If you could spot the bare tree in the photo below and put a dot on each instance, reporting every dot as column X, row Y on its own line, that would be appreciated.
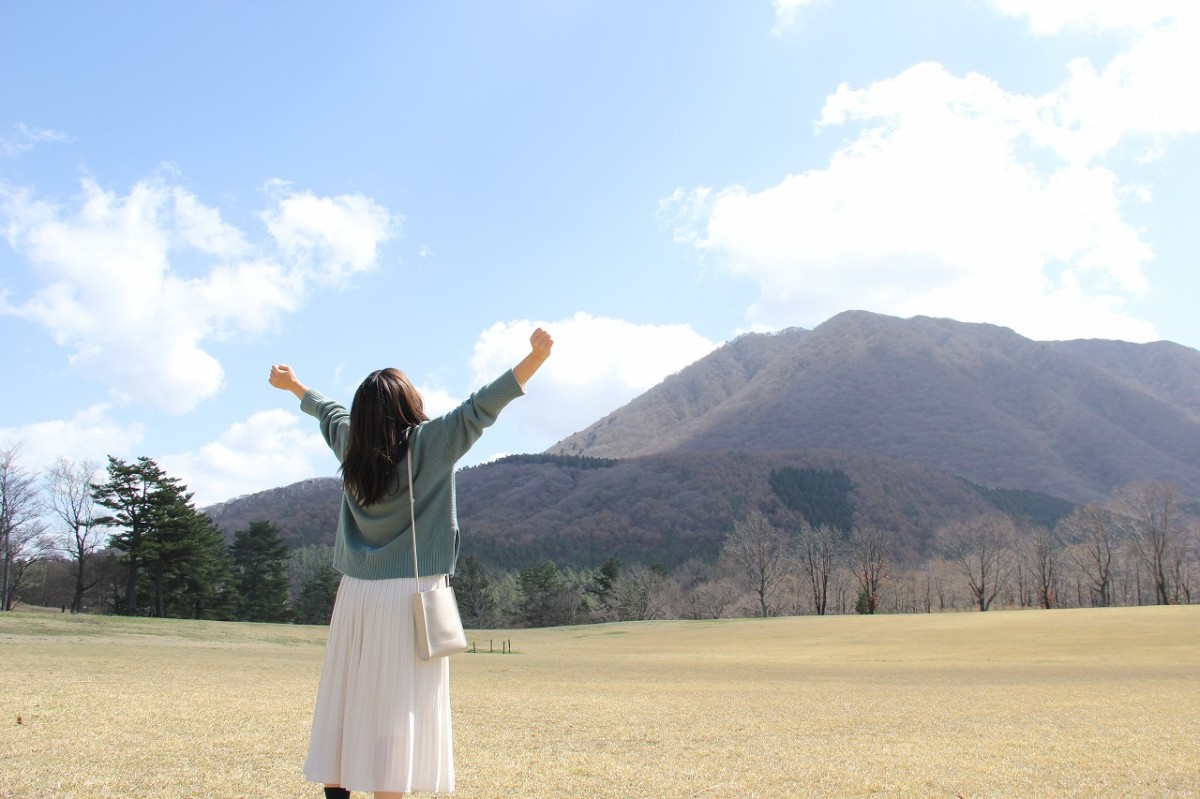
column 69, row 488
column 21, row 531
column 761, row 551
column 712, row 599
column 981, row 550
column 704, row 591
column 1185, row 560
column 818, row 551
column 1042, row 552
column 940, row 585
column 871, row 563
column 929, row 586
column 642, row 593
column 1149, row 513
column 1095, row 539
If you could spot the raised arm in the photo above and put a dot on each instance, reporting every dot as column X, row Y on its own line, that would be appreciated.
column 540, row 344
column 284, row 379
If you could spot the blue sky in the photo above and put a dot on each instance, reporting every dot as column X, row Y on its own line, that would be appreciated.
column 192, row 192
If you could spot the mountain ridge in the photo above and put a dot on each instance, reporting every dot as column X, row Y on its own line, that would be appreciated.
column 1074, row 418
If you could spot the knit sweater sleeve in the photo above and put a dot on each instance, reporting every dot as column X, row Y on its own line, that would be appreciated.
column 333, row 418
column 463, row 426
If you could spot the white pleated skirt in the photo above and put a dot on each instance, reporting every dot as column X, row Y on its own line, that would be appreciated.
column 382, row 720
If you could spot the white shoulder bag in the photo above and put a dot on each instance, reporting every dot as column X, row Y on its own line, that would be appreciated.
column 439, row 626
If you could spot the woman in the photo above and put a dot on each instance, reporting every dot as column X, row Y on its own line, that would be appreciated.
column 382, row 720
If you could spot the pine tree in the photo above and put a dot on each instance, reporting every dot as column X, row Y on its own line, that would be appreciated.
column 260, row 559
column 606, row 579
column 205, row 585
column 473, row 588
column 171, row 547
column 547, row 599
column 172, row 553
column 314, row 605
column 136, row 494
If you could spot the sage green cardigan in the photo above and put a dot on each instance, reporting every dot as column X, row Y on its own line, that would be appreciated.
column 375, row 542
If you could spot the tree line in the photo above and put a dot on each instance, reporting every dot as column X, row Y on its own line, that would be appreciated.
column 1140, row 547
column 128, row 539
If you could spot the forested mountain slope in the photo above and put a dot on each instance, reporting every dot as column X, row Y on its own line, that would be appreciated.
column 1072, row 418
column 662, row 508
column 305, row 512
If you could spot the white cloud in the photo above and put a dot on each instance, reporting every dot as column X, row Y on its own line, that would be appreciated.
column 597, row 365
column 136, row 285
column 331, row 237
column 954, row 197
column 91, row 434
column 438, row 401
column 270, row 449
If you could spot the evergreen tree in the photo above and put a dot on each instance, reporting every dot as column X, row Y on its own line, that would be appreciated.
column 606, row 579
column 260, row 560
column 174, row 556
column 137, row 495
column 171, row 547
column 302, row 562
column 314, row 604
column 821, row 496
column 205, row 583
column 547, row 599
column 473, row 589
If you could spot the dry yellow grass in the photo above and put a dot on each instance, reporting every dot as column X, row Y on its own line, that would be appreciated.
column 1077, row 703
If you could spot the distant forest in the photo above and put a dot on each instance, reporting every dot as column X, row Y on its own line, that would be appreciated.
column 578, row 511
column 565, row 540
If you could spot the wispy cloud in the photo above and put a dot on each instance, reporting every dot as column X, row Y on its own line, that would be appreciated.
column 1048, row 19
column 787, row 15
column 24, row 138
column 135, row 286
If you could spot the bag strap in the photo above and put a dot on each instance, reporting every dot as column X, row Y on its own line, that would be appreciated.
column 412, row 509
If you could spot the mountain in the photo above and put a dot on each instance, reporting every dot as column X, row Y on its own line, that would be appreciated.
column 1069, row 418
column 866, row 419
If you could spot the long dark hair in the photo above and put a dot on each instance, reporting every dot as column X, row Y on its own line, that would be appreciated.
column 386, row 408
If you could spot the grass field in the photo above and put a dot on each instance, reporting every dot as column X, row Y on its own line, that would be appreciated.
column 1071, row 703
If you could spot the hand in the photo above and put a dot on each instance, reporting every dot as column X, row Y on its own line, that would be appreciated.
column 283, row 378
column 541, row 342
